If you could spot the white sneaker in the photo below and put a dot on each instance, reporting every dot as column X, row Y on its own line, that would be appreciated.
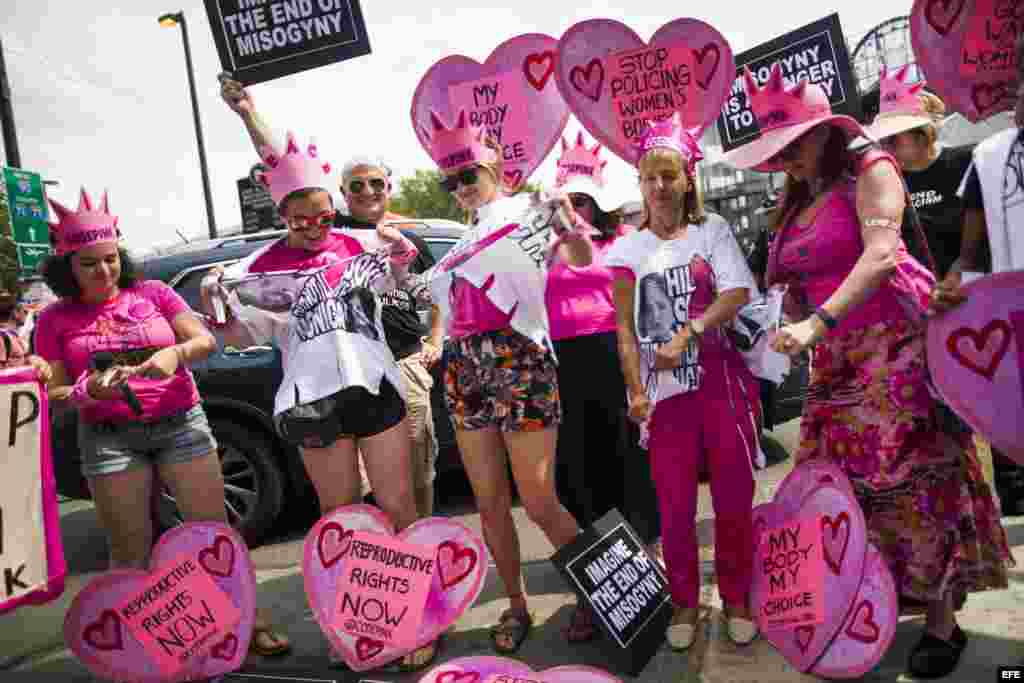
column 681, row 636
column 741, row 631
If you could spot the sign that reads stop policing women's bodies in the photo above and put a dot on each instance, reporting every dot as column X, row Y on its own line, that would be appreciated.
column 816, row 53
column 260, row 40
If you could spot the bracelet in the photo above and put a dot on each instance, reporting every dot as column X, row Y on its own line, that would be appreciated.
column 80, row 391
column 830, row 322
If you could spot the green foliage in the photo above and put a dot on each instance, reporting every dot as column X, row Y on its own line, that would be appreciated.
column 421, row 196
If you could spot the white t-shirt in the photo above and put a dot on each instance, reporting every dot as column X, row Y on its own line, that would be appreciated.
column 674, row 281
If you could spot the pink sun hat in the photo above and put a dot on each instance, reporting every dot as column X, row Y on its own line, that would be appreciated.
column 83, row 228
column 294, row 170
column 783, row 115
column 459, row 146
column 903, row 106
column 581, row 171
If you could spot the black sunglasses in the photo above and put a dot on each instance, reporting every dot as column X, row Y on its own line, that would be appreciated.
column 579, row 200
column 467, row 176
column 376, row 184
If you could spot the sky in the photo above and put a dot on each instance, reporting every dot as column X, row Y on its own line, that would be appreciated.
column 101, row 98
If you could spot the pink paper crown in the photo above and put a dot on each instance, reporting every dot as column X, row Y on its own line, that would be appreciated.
column 776, row 106
column 461, row 145
column 896, row 96
column 580, row 161
column 669, row 133
column 85, row 227
column 295, row 170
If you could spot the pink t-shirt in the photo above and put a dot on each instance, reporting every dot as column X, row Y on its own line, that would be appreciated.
column 137, row 319
column 280, row 256
column 579, row 300
column 472, row 312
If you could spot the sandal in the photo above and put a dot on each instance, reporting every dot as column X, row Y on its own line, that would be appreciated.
column 514, row 625
column 581, row 626
column 266, row 642
column 933, row 657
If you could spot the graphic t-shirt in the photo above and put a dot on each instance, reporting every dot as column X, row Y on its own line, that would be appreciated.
column 133, row 325
column 676, row 281
column 933, row 193
column 400, row 310
column 328, row 321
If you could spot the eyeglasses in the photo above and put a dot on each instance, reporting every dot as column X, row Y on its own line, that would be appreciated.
column 357, row 185
column 467, row 176
column 579, row 200
column 322, row 220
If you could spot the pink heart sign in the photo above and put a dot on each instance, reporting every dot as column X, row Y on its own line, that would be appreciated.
column 976, row 360
column 512, row 94
column 966, row 50
column 860, row 605
column 615, row 82
column 190, row 617
column 460, row 563
column 501, row 670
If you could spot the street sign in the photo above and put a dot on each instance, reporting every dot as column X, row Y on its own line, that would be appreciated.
column 258, row 209
column 24, row 205
column 31, row 256
column 259, row 41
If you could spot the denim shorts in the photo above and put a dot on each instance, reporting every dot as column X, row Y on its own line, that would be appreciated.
column 109, row 448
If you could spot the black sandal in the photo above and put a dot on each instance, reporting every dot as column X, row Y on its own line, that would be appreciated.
column 935, row 658
column 513, row 624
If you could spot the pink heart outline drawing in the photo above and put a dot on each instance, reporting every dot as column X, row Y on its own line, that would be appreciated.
column 980, row 339
column 942, row 19
column 367, row 648
column 581, row 80
column 709, row 72
column 449, row 554
column 226, row 648
column 514, row 177
column 532, row 60
column 864, row 618
column 105, row 632
column 218, row 559
column 834, row 556
column 443, row 606
column 457, row 677
column 802, row 636
column 988, row 97
column 333, row 544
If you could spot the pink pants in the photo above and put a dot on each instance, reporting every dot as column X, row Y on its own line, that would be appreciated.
column 710, row 430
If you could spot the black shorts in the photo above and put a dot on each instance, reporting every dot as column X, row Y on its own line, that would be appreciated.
column 352, row 413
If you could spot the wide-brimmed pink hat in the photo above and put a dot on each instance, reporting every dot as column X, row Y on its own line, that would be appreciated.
column 901, row 106
column 783, row 115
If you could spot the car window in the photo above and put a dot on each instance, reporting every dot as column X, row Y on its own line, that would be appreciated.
column 439, row 246
column 188, row 287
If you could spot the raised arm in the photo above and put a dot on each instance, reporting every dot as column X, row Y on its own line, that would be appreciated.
column 241, row 102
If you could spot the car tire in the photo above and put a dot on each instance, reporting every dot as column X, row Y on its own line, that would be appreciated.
column 253, row 482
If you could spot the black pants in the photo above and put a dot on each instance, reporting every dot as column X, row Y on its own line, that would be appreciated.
column 599, row 465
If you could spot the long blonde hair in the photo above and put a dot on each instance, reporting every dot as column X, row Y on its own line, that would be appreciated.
column 693, row 201
column 497, row 169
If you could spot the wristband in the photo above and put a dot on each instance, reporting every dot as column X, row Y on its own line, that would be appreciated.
column 80, row 391
column 830, row 322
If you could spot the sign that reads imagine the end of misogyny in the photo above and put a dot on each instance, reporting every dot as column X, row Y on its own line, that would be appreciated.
column 260, row 40
column 816, row 52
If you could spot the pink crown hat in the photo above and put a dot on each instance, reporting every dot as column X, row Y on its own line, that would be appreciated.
column 294, row 170
column 83, row 228
column 459, row 146
column 783, row 115
column 669, row 134
column 900, row 107
column 581, row 171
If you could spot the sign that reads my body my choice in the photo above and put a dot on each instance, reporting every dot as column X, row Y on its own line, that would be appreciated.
column 260, row 40
column 816, row 52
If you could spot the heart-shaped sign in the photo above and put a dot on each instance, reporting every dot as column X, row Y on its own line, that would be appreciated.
column 174, row 608
column 490, row 669
column 976, row 360
column 512, row 94
column 951, row 39
column 461, row 563
column 611, row 78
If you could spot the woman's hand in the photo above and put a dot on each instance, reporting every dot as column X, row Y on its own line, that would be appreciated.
column 161, row 365
column 43, row 370
column 106, row 386
column 947, row 294
column 430, row 355
column 639, row 407
column 209, row 289
column 669, row 355
column 794, row 339
column 235, row 95
column 389, row 234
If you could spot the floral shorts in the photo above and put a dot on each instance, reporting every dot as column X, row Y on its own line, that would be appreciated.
column 501, row 379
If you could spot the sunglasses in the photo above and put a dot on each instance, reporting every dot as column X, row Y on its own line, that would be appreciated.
column 322, row 220
column 357, row 185
column 579, row 200
column 467, row 176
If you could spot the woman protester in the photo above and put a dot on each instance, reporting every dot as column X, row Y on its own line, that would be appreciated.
column 342, row 388
column 501, row 385
column 868, row 409
column 141, row 418
column 679, row 282
column 599, row 465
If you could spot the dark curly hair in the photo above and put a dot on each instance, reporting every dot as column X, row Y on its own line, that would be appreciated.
column 60, row 278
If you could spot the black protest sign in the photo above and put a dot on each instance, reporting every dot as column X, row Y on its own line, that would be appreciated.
column 258, row 209
column 611, row 571
column 260, row 40
column 816, row 52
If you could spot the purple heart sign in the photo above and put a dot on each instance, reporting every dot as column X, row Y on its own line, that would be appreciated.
column 512, row 95
column 615, row 82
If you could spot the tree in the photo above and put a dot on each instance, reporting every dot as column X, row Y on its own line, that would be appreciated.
column 422, row 196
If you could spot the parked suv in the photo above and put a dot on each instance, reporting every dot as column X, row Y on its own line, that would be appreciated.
column 264, row 480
